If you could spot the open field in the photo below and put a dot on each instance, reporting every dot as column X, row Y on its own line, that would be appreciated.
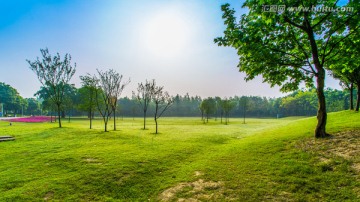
column 265, row 159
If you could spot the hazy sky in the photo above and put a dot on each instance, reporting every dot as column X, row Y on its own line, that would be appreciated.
column 170, row 41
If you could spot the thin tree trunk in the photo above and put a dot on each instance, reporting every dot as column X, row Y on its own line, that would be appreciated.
column 114, row 119
column 144, row 119
column 352, row 96
column 106, row 120
column 358, row 97
column 155, row 117
column 156, row 123
column 59, row 114
column 90, row 119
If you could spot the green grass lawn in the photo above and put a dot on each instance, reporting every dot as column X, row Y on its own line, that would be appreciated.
column 264, row 159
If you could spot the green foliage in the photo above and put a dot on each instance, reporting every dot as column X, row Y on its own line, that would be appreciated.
column 87, row 95
column 304, row 102
column 289, row 47
column 345, row 66
column 68, row 100
column 34, row 107
column 54, row 74
column 227, row 105
column 208, row 106
column 11, row 99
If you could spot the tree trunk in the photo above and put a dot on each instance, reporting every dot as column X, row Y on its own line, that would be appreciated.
column 155, row 117
column 144, row 119
column 156, row 123
column 358, row 97
column 114, row 120
column 352, row 96
column 90, row 118
column 320, row 131
column 59, row 115
column 106, row 120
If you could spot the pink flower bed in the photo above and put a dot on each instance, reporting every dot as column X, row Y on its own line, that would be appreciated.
column 32, row 119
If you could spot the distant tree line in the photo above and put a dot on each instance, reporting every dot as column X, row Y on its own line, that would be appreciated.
column 77, row 103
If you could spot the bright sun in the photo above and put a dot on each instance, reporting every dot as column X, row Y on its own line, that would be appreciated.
column 166, row 34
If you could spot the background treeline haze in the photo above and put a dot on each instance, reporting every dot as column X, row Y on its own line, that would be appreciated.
column 299, row 103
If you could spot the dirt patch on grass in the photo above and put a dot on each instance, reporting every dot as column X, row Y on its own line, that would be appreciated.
column 198, row 173
column 340, row 149
column 49, row 196
column 344, row 144
column 356, row 167
column 92, row 160
column 199, row 190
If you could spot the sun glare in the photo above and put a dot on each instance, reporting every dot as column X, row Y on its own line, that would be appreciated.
column 166, row 34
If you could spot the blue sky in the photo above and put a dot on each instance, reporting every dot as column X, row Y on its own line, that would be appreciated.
column 167, row 40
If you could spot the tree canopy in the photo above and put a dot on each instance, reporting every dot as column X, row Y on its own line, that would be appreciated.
column 54, row 74
column 289, row 47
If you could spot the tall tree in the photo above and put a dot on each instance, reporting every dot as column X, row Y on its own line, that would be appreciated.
column 219, row 108
column 119, row 86
column 244, row 103
column 88, row 94
column 289, row 47
column 111, row 85
column 209, row 107
column 162, row 101
column 227, row 106
column 202, row 110
column 54, row 74
column 144, row 96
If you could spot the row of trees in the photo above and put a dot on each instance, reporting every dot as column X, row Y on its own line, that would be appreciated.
column 98, row 93
column 81, row 101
